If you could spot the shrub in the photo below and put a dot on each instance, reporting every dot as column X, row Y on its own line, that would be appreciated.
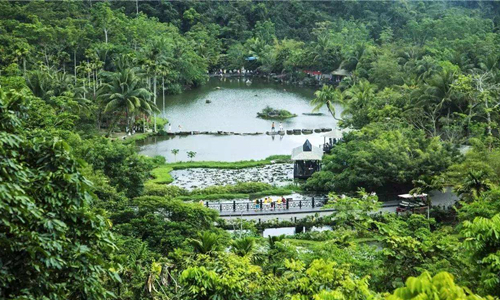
column 163, row 190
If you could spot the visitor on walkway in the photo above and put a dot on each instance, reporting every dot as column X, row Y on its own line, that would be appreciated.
column 279, row 203
column 281, row 126
column 272, row 127
column 169, row 127
column 267, row 204
column 284, row 202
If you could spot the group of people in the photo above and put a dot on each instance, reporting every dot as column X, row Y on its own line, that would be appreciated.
column 130, row 132
column 170, row 127
column 273, row 127
column 269, row 203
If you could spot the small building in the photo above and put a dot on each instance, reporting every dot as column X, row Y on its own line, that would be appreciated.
column 318, row 75
column 332, row 138
column 307, row 160
column 339, row 74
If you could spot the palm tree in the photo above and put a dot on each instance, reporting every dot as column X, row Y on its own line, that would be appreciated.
column 328, row 95
column 243, row 246
column 439, row 86
column 124, row 93
column 358, row 98
column 272, row 240
column 206, row 243
column 155, row 62
column 474, row 184
column 191, row 154
column 175, row 152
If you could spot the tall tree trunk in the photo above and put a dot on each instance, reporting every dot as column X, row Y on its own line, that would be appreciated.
column 106, row 35
column 74, row 64
column 137, row 7
column 163, row 93
column 127, row 120
column 46, row 58
column 154, row 97
column 112, row 125
column 488, row 118
column 95, row 82
column 24, row 66
column 99, row 120
column 84, row 90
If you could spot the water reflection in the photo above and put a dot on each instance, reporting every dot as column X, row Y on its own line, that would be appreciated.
column 226, row 148
column 234, row 106
column 293, row 230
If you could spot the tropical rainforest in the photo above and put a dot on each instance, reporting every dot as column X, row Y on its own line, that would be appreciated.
column 84, row 216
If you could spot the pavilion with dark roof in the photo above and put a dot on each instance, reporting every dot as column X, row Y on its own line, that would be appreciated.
column 307, row 160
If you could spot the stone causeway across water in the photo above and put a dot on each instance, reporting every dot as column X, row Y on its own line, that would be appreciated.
column 282, row 132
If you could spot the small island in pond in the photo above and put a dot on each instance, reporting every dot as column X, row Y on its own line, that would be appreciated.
column 270, row 113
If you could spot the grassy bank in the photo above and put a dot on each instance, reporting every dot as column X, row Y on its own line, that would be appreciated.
column 136, row 137
column 162, row 173
column 230, row 165
column 139, row 136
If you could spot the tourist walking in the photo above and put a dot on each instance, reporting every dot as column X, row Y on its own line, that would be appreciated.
column 281, row 126
column 267, row 204
column 169, row 127
column 272, row 127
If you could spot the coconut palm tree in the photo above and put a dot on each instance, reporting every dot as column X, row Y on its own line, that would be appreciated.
column 124, row 93
column 327, row 96
column 357, row 99
column 474, row 184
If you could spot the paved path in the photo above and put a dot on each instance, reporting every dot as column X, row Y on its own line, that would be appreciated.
column 438, row 199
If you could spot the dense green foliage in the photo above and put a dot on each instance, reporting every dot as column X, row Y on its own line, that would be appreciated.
column 53, row 244
column 381, row 157
column 83, row 216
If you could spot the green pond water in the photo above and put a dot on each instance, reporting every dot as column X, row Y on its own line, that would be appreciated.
column 234, row 106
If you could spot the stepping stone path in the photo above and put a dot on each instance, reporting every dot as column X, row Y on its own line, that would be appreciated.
column 282, row 132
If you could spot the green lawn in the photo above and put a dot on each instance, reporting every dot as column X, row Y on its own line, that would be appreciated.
column 228, row 165
column 162, row 175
